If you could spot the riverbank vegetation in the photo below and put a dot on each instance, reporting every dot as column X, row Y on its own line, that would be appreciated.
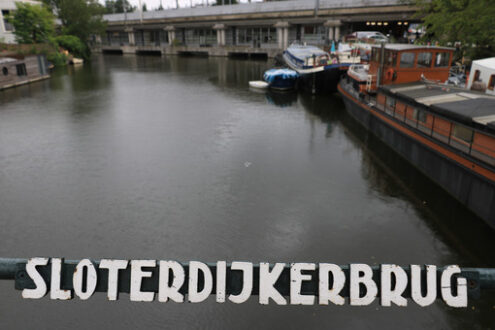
column 466, row 24
column 118, row 6
column 67, row 31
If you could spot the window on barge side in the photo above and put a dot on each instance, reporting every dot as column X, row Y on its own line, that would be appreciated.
column 419, row 115
column 407, row 60
column 442, row 60
column 390, row 105
column 21, row 69
column 375, row 55
column 390, row 58
column 463, row 133
column 424, row 60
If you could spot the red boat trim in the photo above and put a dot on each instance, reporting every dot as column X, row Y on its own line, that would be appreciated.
column 447, row 153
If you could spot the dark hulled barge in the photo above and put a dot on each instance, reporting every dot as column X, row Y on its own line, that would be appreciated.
column 448, row 133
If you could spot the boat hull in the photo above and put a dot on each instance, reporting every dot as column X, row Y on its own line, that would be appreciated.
column 283, row 84
column 474, row 191
column 320, row 82
column 316, row 80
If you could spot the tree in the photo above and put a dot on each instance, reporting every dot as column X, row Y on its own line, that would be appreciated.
column 144, row 7
column 74, row 45
column 32, row 23
column 118, row 6
column 469, row 22
column 80, row 18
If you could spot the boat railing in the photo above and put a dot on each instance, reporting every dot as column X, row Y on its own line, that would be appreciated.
column 359, row 71
column 473, row 144
column 370, row 79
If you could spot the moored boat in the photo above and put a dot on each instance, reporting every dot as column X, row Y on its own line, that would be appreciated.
column 448, row 133
column 281, row 79
column 258, row 84
column 318, row 71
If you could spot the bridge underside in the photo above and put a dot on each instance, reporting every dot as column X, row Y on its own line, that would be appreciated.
column 264, row 34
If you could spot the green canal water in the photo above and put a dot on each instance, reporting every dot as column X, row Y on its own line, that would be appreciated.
column 138, row 157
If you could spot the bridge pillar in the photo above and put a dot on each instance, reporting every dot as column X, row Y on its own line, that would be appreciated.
column 171, row 33
column 220, row 28
column 130, row 32
column 282, row 34
column 333, row 29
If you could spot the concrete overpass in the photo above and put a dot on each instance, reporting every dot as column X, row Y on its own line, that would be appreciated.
column 262, row 28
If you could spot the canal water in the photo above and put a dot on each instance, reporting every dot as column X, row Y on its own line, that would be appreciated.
column 176, row 158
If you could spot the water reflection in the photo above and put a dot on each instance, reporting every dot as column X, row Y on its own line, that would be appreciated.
column 281, row 99
column 392, row 176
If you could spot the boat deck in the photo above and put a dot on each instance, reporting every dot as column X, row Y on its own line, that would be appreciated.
column 468, row 107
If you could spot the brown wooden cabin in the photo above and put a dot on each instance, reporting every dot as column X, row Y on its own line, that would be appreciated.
column 404, row 63
column 19, row 71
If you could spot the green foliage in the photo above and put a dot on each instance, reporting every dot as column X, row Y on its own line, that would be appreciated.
column 176, row 42
column 118, row 6
column 57, row 59
column 470, row 22
column 80, row 18
column 74, row 45
column 32, row 23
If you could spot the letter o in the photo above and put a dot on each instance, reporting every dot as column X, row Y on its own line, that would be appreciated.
column 91, row 278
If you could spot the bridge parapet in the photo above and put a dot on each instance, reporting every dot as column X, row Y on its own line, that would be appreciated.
column 256, row 8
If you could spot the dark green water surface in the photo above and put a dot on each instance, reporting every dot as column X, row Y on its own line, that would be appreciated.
column 176, row 158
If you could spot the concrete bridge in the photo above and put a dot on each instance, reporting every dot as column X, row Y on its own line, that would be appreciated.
column 263, row 28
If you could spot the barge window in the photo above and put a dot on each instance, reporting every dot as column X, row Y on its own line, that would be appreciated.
column 21, row 69
column 390, row 102
column 407, row 60
column 419, row 115
column 375, row 55
column 442, row 60
column 5, row 71
column 424, row 60
column 491, row 83
column 390, row 58
column 463, row 133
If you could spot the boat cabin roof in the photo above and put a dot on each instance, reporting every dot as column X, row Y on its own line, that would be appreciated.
column 303, row 52
column 403, row 47
column 459, row 104
column 486, row 63
column 7, row 60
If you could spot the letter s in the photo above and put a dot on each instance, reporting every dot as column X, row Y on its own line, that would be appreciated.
column 40, row 290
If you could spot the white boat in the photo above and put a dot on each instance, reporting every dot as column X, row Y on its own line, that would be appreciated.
column 258, row 84
column 76, row 60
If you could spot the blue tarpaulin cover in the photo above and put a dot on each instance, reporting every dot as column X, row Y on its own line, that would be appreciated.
column 271, row 74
